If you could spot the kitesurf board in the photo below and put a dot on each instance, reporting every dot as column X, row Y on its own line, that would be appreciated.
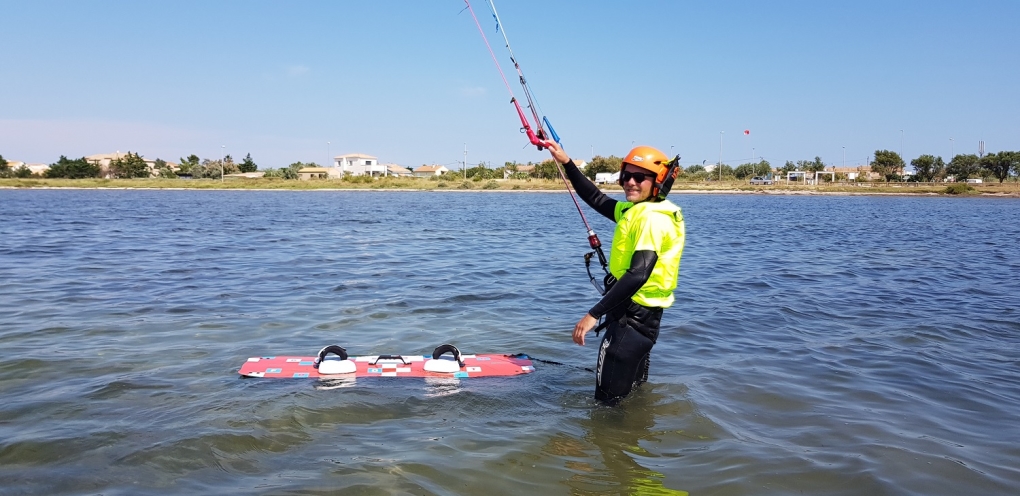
column 389, row 366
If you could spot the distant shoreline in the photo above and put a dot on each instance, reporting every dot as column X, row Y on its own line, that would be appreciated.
column 408, row 190
column 1007, row 190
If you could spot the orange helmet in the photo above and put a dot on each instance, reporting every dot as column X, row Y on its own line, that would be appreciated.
column 652, row 160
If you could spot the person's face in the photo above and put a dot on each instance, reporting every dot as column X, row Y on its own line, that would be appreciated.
column 635, row 190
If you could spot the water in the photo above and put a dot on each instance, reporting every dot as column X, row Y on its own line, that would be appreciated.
column 819, row 345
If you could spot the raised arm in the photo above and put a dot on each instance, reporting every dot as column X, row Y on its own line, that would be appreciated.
column 585, row 189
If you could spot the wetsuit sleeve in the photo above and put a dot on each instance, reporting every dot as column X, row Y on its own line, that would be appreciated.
column 641, row 265
column 590, row 193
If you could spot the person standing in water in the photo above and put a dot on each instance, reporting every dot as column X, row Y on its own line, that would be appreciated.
column 645, row 261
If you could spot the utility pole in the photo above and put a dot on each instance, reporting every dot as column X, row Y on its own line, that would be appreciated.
column 465, row 161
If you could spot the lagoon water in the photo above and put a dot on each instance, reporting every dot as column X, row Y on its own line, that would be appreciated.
column 818, row 345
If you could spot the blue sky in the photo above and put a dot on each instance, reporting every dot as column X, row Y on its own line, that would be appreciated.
column 411, row 81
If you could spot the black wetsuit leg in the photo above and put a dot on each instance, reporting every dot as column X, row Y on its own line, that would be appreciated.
column 624, row 351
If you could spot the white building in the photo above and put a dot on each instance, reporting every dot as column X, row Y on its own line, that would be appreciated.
column 430, row 170
column 103, row 160
column 357, row 164
column 39, row 169
column 396, row 170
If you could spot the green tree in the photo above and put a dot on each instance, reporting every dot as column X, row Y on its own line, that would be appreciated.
column 481, row 172
column 187, row 164
column 291, row 172
column 129, row 166
column 694, row 169
column 513, row 171
column 73, row 169
column 721, row 172
column 248, row 165
column 789, row 166
column 229, row 167
column 761, row 168
column 22, row 172
column 547, row 169
column 999, row 164
column 5, row 168
column 164, row 170
column 964, row 166
column 211, row 169
column 743, row 171
column 887, row 164
column 815, row 165
column 696, row 175
column 927, row 168
column 499, row 173
column 599, row 164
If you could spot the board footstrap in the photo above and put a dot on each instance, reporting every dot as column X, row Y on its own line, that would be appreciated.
column 333, row 361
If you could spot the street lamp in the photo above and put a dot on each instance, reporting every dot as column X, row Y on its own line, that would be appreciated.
column 223, row 158
column 328, row 158
column 720, row 154
column 844, row 157
column 902, row 158
column 953, row 145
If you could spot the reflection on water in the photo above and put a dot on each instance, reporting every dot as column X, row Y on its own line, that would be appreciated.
column 819, row 345
column 618, row 436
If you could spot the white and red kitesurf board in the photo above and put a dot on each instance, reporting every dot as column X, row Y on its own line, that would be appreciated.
column 372, row 366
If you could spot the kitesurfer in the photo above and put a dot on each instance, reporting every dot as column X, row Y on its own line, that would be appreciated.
column 645, row 261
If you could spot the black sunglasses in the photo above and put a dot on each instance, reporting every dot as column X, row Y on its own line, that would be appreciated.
column 639, row 177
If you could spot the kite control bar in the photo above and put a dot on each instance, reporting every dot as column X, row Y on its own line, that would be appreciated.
column 535, row 139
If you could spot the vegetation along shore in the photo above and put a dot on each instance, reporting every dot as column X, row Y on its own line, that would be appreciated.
column 1011, row 188
column 993, row 174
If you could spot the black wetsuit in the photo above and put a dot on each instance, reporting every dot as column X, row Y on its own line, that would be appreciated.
column 632, row 328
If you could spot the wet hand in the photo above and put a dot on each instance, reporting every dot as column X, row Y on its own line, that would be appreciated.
column 583, row 327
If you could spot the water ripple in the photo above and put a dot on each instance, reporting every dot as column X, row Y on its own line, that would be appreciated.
column 836, row 345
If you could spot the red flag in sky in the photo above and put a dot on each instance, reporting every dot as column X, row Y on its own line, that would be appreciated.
column 747, row 131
